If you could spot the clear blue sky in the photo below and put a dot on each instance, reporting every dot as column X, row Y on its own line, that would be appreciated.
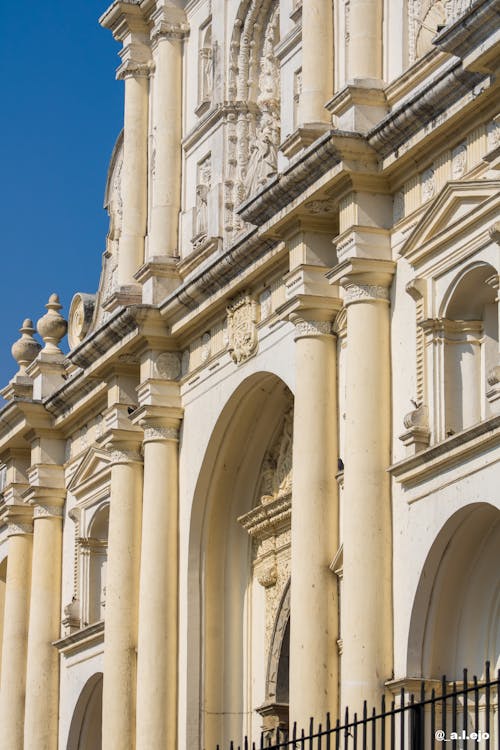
column 61, row 110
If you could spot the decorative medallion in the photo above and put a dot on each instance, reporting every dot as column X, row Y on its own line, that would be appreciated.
column 242, row 328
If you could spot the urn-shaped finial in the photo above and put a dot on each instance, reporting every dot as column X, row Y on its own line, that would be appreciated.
column 52, row 327
column 25, row 349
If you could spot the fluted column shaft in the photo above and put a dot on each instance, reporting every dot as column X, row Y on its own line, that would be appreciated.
column 15, row 635
column 314, row 618
column 166, row 143
column 157, row 674
column 317, row 61
column 122, row 578
column 365, row 39
column 367, row 581
column 42, row 674
column 134, row 172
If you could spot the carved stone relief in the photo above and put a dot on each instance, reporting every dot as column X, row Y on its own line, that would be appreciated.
column 204, row 183
column 253, row 127
column 242, row 328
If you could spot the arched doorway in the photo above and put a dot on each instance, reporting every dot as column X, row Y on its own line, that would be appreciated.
column 86, row 724
column 226, row 632
column 455, row 620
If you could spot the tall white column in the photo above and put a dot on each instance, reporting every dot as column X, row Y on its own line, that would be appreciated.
column 42, row 674
column 314, row 618
column 127, row 22
column 157, row 672
column 166, row 137
column 317, row 61
column 366, row 619
column 365, row 39
column 122, row 579
column 15, row 631
column 134, row 174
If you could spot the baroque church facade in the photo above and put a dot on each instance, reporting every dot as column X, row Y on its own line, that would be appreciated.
column 263, row 483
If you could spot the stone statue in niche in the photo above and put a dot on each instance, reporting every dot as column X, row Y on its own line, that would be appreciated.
column 202, row 190
column 262, row 164
column 206, row 67
column 263, row 156
column 201, row 210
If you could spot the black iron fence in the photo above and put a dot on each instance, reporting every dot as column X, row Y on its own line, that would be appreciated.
column 457, row 715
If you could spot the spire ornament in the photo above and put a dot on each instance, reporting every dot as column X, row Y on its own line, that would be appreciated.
column 52, row 326
column 25, row 349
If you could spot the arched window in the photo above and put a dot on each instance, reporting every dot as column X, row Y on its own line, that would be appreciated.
column 94, row 555
column 470, row 336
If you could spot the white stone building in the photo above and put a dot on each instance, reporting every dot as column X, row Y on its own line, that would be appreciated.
column 300, row 278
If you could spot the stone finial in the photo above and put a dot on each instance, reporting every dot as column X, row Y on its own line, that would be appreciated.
column 52, row 326
column 25, row 349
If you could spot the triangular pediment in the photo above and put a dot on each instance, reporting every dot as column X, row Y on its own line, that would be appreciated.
column 92, row 469
column 454, row 211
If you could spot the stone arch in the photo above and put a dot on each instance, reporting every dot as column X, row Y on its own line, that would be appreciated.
column 455, row 620
column 86, row 724
column 253, row 123
column 220, row 575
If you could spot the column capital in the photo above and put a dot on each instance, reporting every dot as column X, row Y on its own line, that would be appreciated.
column 160, row 423
column 364, row 279
column 310, row 314
column 124, row 446
column 134, row 69
column 18, row 519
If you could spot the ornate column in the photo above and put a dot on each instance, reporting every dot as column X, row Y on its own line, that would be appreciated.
column 157, row 672
column 120, row 635
column 128, row 26
column 169, row 29
column 314, row 616
column 46, row 494
column 367, row 536
column 15, row 631
column 317, row 63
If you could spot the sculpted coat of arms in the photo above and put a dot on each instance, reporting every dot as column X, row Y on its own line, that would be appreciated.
column 242, row 328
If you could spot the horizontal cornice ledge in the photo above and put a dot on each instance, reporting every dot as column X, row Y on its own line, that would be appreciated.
column 100, row 341
column 471, row 30
column 453, row 450
column 425, row 105
column 303, row 171
column 222, row 270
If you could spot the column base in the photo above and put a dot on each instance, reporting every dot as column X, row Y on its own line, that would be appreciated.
column 158, row 277
column 359, row 106
column 122, row 296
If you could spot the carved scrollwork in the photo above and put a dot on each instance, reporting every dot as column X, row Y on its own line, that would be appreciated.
column 365, row 293
column 160, row 432
column 134, row 69
column 312, row 328
column 124, row 455
column 16, row 529
column 46, row 511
